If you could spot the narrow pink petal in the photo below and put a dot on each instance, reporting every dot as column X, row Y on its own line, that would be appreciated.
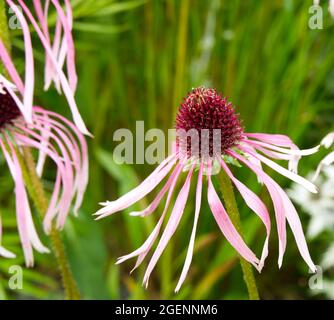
column 20, row 207
column 145, row 248
column 23, row 198
column 139, row 192
column 62, row 163
column 171, row 226
column 190, row 251
column 277, row 139
column 255, row 204
column 226, row 226
column 289, row 210
column 73, row 79
column 28, row 95
column 82, row 180
column 277, row 200
column 297, row 230
column 297, row 152
column 3, row 251
column 65, row 85
column 151, row 208
column 7, row 61
column 69, row 180
column 292, row 176
column 6, row 253
column 42, row 17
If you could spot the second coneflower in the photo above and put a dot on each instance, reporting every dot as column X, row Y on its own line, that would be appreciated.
column 206, row 113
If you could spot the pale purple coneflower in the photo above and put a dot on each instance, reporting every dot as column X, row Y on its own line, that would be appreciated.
column 57, row 51
column 54, row 137
column 204, row 109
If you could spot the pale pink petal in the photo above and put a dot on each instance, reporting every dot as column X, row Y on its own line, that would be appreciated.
column 3, row 251
column 226, row 226
column 145, row 248
column 256, row 204
column 65, row 85
column 190, row 251
column 151, row 208
column 82, row 175
column 28, row 95
column 297, row 152
column 139, row 192
column 278, row 195
column 277, row 139
column 69, row 45
column 292, row 176
column 7, row 61
column 171, row 226
column 276, row 198
column 68, row 194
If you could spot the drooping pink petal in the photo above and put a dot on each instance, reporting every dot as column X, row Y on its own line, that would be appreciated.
column 292, row 176
column 280, row 199
column 3, row 251
column 147, row 245
column 66, row 158
column 277, row 202
column 68, row 44
column 27, row 232
column 63, row 80
column 139, row 192
column 297, row 152
column 151, row 208
column 277, row 139
column 255, row 204
column 190, row 251
column 82, row 174
column 42, row 18
column 226, row 226
column 8, row 63
column 28, row 95
column 171, row 226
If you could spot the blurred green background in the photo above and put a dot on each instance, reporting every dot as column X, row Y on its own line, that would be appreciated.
column 136, row 60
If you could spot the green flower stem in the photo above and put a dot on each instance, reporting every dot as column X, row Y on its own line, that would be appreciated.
column 36, row 189
column 232, row 209
column 37, row 194
column 4, row 32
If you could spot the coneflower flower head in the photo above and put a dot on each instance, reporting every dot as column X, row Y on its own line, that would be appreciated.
column 225, row 142
column 54, row 137
column 204, row 109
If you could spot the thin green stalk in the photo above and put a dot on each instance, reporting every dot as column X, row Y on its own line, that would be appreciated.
column 232, row 209
column 37, row 194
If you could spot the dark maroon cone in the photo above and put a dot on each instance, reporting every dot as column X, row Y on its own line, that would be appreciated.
column 206, row 109
column 8, row 109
